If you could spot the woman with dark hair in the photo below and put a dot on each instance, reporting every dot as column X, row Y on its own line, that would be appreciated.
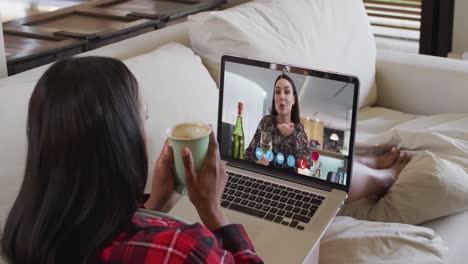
column 283, row 126
column 285, row 103
column 373, row 174
column 86, row 171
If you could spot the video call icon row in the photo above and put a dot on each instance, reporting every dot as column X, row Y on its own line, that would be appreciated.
column 270, row 156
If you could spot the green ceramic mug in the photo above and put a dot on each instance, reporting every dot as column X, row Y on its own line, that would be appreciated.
column 196, row 137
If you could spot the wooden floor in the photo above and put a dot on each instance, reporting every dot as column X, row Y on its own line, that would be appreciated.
column 13, row 9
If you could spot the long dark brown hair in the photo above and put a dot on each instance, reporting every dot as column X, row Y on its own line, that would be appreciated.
column 86, row 165
column 295, row 114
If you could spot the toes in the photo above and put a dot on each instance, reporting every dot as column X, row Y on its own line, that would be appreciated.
column 401, row 158
column 391, row 154
column 383, row 150
column 405, row 158
column 408, row 159
column 394, row 152
column 397, row 151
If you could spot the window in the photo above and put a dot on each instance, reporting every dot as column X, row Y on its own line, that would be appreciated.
column 413, row 25
column 396, row 23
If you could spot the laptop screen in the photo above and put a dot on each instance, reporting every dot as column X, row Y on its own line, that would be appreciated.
column 287, row 118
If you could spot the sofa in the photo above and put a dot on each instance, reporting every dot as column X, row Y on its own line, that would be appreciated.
column 406, row 88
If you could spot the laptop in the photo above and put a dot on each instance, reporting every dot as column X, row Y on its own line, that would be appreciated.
column 286, row 203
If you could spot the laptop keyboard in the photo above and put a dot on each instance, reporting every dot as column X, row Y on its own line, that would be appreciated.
column 277, row 203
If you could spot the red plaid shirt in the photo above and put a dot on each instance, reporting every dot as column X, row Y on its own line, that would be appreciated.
column 164, row 240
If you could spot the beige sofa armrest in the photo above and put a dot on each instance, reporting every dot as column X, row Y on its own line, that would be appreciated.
column 419, row 84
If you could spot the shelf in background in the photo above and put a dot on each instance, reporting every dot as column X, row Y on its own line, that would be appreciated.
column 330, row 154
column 43, row 38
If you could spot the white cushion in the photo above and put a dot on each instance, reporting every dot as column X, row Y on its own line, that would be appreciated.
column 14, row 100
column 173, row 82
column 352, row 241
column 177, row 88
column 331, row 35
column 428, row 188
column 435, row 183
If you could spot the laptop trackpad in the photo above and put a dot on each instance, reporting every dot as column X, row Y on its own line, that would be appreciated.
column 185, row 210
column 251, row 224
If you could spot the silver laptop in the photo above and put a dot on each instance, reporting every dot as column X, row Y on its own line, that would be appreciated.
column 285, row 187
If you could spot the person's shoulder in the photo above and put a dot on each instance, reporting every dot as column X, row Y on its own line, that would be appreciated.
column 141, row 223
column 196, row 230
column 157, row 235
column 155, row 225
column 193, row 243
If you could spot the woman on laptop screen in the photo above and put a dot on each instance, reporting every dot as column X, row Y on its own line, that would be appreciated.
column 280, row 141
column 280, row 138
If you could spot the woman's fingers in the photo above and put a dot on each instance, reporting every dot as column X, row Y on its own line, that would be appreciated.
column 263, row 161
column 168, row 156
column 190, row 175
column 286, row 129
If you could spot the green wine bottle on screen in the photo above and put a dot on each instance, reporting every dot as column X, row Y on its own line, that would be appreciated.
column 237, row 149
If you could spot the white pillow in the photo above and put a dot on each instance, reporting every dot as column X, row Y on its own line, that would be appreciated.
column 14, row 100
column 331, row 35
column 173, row 82
column 429, row 187
column 352, row 241
column 177, row 88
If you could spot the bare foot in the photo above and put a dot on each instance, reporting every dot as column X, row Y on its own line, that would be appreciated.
column 400, row 164
column 386, row 177
column 368, row 182
column 382, row 161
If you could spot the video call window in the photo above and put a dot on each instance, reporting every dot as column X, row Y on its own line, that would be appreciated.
column 289, row 120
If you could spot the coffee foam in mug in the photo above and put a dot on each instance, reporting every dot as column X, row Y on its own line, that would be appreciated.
column 190, row 131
